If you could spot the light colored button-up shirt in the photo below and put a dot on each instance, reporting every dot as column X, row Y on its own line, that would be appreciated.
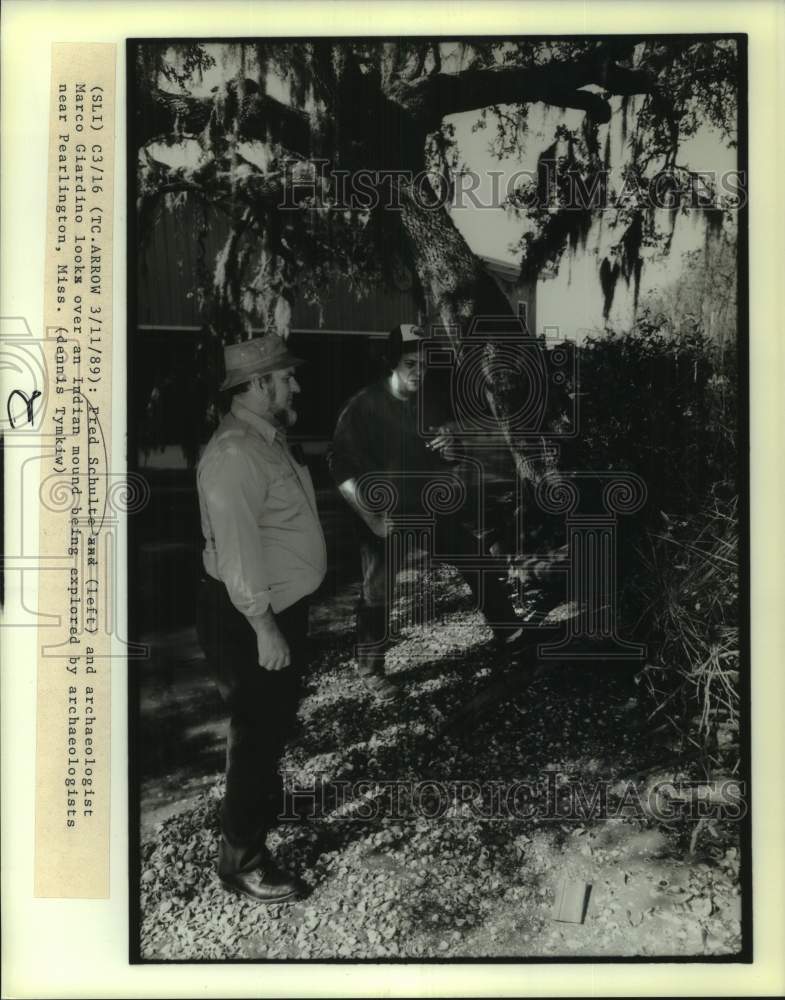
column 263, row 538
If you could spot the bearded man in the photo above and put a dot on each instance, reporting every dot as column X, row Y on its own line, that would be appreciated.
column 264, row 554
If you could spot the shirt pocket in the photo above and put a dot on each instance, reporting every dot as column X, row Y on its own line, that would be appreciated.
column 285, row 494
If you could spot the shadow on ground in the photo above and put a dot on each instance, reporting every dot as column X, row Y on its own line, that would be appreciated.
column 468, row 861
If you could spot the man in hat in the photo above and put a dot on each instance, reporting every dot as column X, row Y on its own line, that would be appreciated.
column 264, row 553
column 378, row 432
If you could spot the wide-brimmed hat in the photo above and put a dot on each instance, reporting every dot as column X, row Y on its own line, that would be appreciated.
column 258, row 356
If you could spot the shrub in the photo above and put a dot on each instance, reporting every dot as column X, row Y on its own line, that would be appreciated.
column 666, row 407
column 659, row 405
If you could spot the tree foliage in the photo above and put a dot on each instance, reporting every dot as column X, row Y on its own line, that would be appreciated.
column 381, row 106
column 238, row 128
column 705, row 295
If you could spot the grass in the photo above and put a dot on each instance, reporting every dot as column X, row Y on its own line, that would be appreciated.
column 691, row 574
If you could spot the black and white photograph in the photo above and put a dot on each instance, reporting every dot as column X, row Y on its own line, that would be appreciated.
column 437, row 378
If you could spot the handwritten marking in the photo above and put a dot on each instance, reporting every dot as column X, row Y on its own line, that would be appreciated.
column 28, row 403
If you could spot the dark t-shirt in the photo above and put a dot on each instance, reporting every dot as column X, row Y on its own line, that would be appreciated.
column 379, row 433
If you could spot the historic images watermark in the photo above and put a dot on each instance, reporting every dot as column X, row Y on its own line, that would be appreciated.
column 552, row 795
column 314, row 184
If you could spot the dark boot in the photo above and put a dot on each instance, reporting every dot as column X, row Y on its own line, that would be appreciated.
column 371, row 647
column 260, row 878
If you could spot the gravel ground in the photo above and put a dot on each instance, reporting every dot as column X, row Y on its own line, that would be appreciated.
column 458, row 885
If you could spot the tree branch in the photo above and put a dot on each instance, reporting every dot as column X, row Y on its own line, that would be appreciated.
column 431, row 98
column 222, row 180
column 258, row 116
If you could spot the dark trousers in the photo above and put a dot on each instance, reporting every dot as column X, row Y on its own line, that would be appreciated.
column 454, row 537
column 262, row 706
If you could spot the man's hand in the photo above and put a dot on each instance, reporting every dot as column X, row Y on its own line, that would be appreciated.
column 380, row 524
column 272, row 649
column 444, row 441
